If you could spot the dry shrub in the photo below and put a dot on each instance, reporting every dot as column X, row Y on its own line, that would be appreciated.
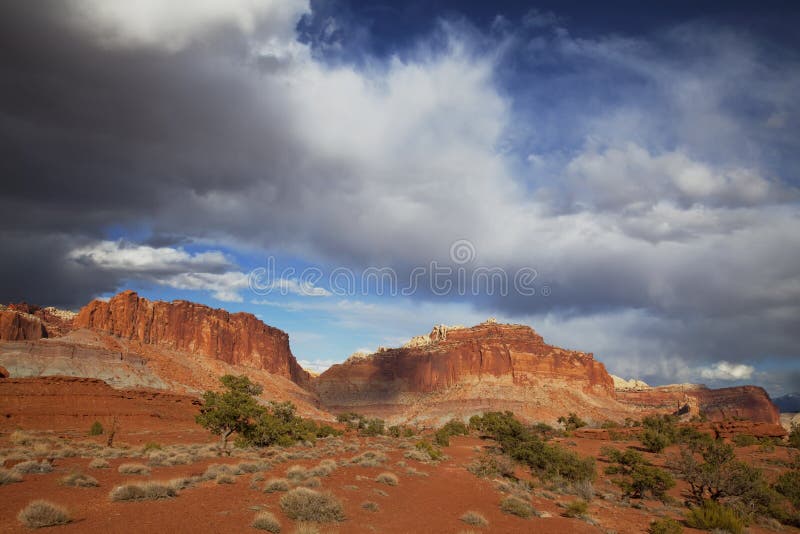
column 33, row 467
column 475, row 519
column 303, row 504
column 276, row 484
column 99, row 463
column 215, row 470
column 312, row 482
column 296, row 472
column 134, row 469
column 370, row 506
column 516, row 506
column 224, row 478
column 416, row 472
column 9, row 477
column 40, row 514
column 390, row 479
column 20, row 437
column 142, row 491
column 79, row 480
column 307, row 528
column 369, row 459
column 323, row 469
column 266, row 521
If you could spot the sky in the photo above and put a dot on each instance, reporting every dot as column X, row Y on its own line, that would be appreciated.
column 621, row 177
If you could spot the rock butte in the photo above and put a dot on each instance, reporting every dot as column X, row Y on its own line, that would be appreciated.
column 184, row 347
column 236, row 338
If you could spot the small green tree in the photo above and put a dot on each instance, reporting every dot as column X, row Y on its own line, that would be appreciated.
column 233, row 410
column 571, row 422
column 96, row 429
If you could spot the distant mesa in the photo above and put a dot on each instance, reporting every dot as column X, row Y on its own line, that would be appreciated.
column 452, row 371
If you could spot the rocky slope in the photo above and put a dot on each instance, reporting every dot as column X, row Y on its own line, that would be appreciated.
column 236, row 338
column 468, row 370
column 751, row 403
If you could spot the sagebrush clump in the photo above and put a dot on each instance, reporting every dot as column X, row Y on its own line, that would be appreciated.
column 143, row 491
column 42, row 513
column 303, row 504
column 475, row 519
column 516, row 506
column 266, row 521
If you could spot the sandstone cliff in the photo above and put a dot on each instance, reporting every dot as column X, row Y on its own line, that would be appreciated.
column 236, row 338
column 19, row 326
column 467, row 370
column 751, row 403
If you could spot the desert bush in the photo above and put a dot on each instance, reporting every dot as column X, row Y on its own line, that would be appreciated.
column 638, row 477
column 583, row 489
column 215, row 470
column 296, row 472
column 665, row 526
column 307, row 528
column 323, row 469
column 744, row 440
column 370, row 506
column 303, row 504
column 577, row 509
column 520, row 443
column 8, row 476
column 390, row 479
column 369, row 459
column 654, row 441
column 374, row 427
column 718, row 476
column 788, row 485
column 516, row 506
column 33, row 467
column 794, row 436
column 99, row 463
column 430, row 452
column 609, row 424
column 416, row 472
column 266, row 521
column 151, row 446
column 20, row 437
column 454, row 427
column 41, row 513
column 712, row 515
column 310, row 482
column 96, row 429
column 79, row 480
column 489, row 465
column 134, row 469
column 659, row 432
column 141, row 491
column 571, row 422
column 474, row 518
column 276, row 484
column 224, row 478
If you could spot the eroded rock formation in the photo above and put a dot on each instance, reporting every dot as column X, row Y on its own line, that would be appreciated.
column 236, row 338
column 20, row 326
column 750, row 403
column 469, row 369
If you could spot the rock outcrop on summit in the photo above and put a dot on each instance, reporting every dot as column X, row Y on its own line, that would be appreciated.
column 236, row 338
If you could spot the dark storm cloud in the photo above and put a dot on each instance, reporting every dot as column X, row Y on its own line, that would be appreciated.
column 643, row 176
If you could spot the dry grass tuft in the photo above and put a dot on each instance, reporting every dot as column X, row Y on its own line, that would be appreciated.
column 390, row 479
column 516, row 506
column 266, row 521
column 369, row 459
column 225, row 478
column 370, row 506
column 142, row 491
column 33, row 467
column 303, row 504
column 40, row 514
column 475, row 519
column 99, row 463
column 276, row 484
column 134, row 469
column 296, row 472
column 79, row 480
column 9, row 477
